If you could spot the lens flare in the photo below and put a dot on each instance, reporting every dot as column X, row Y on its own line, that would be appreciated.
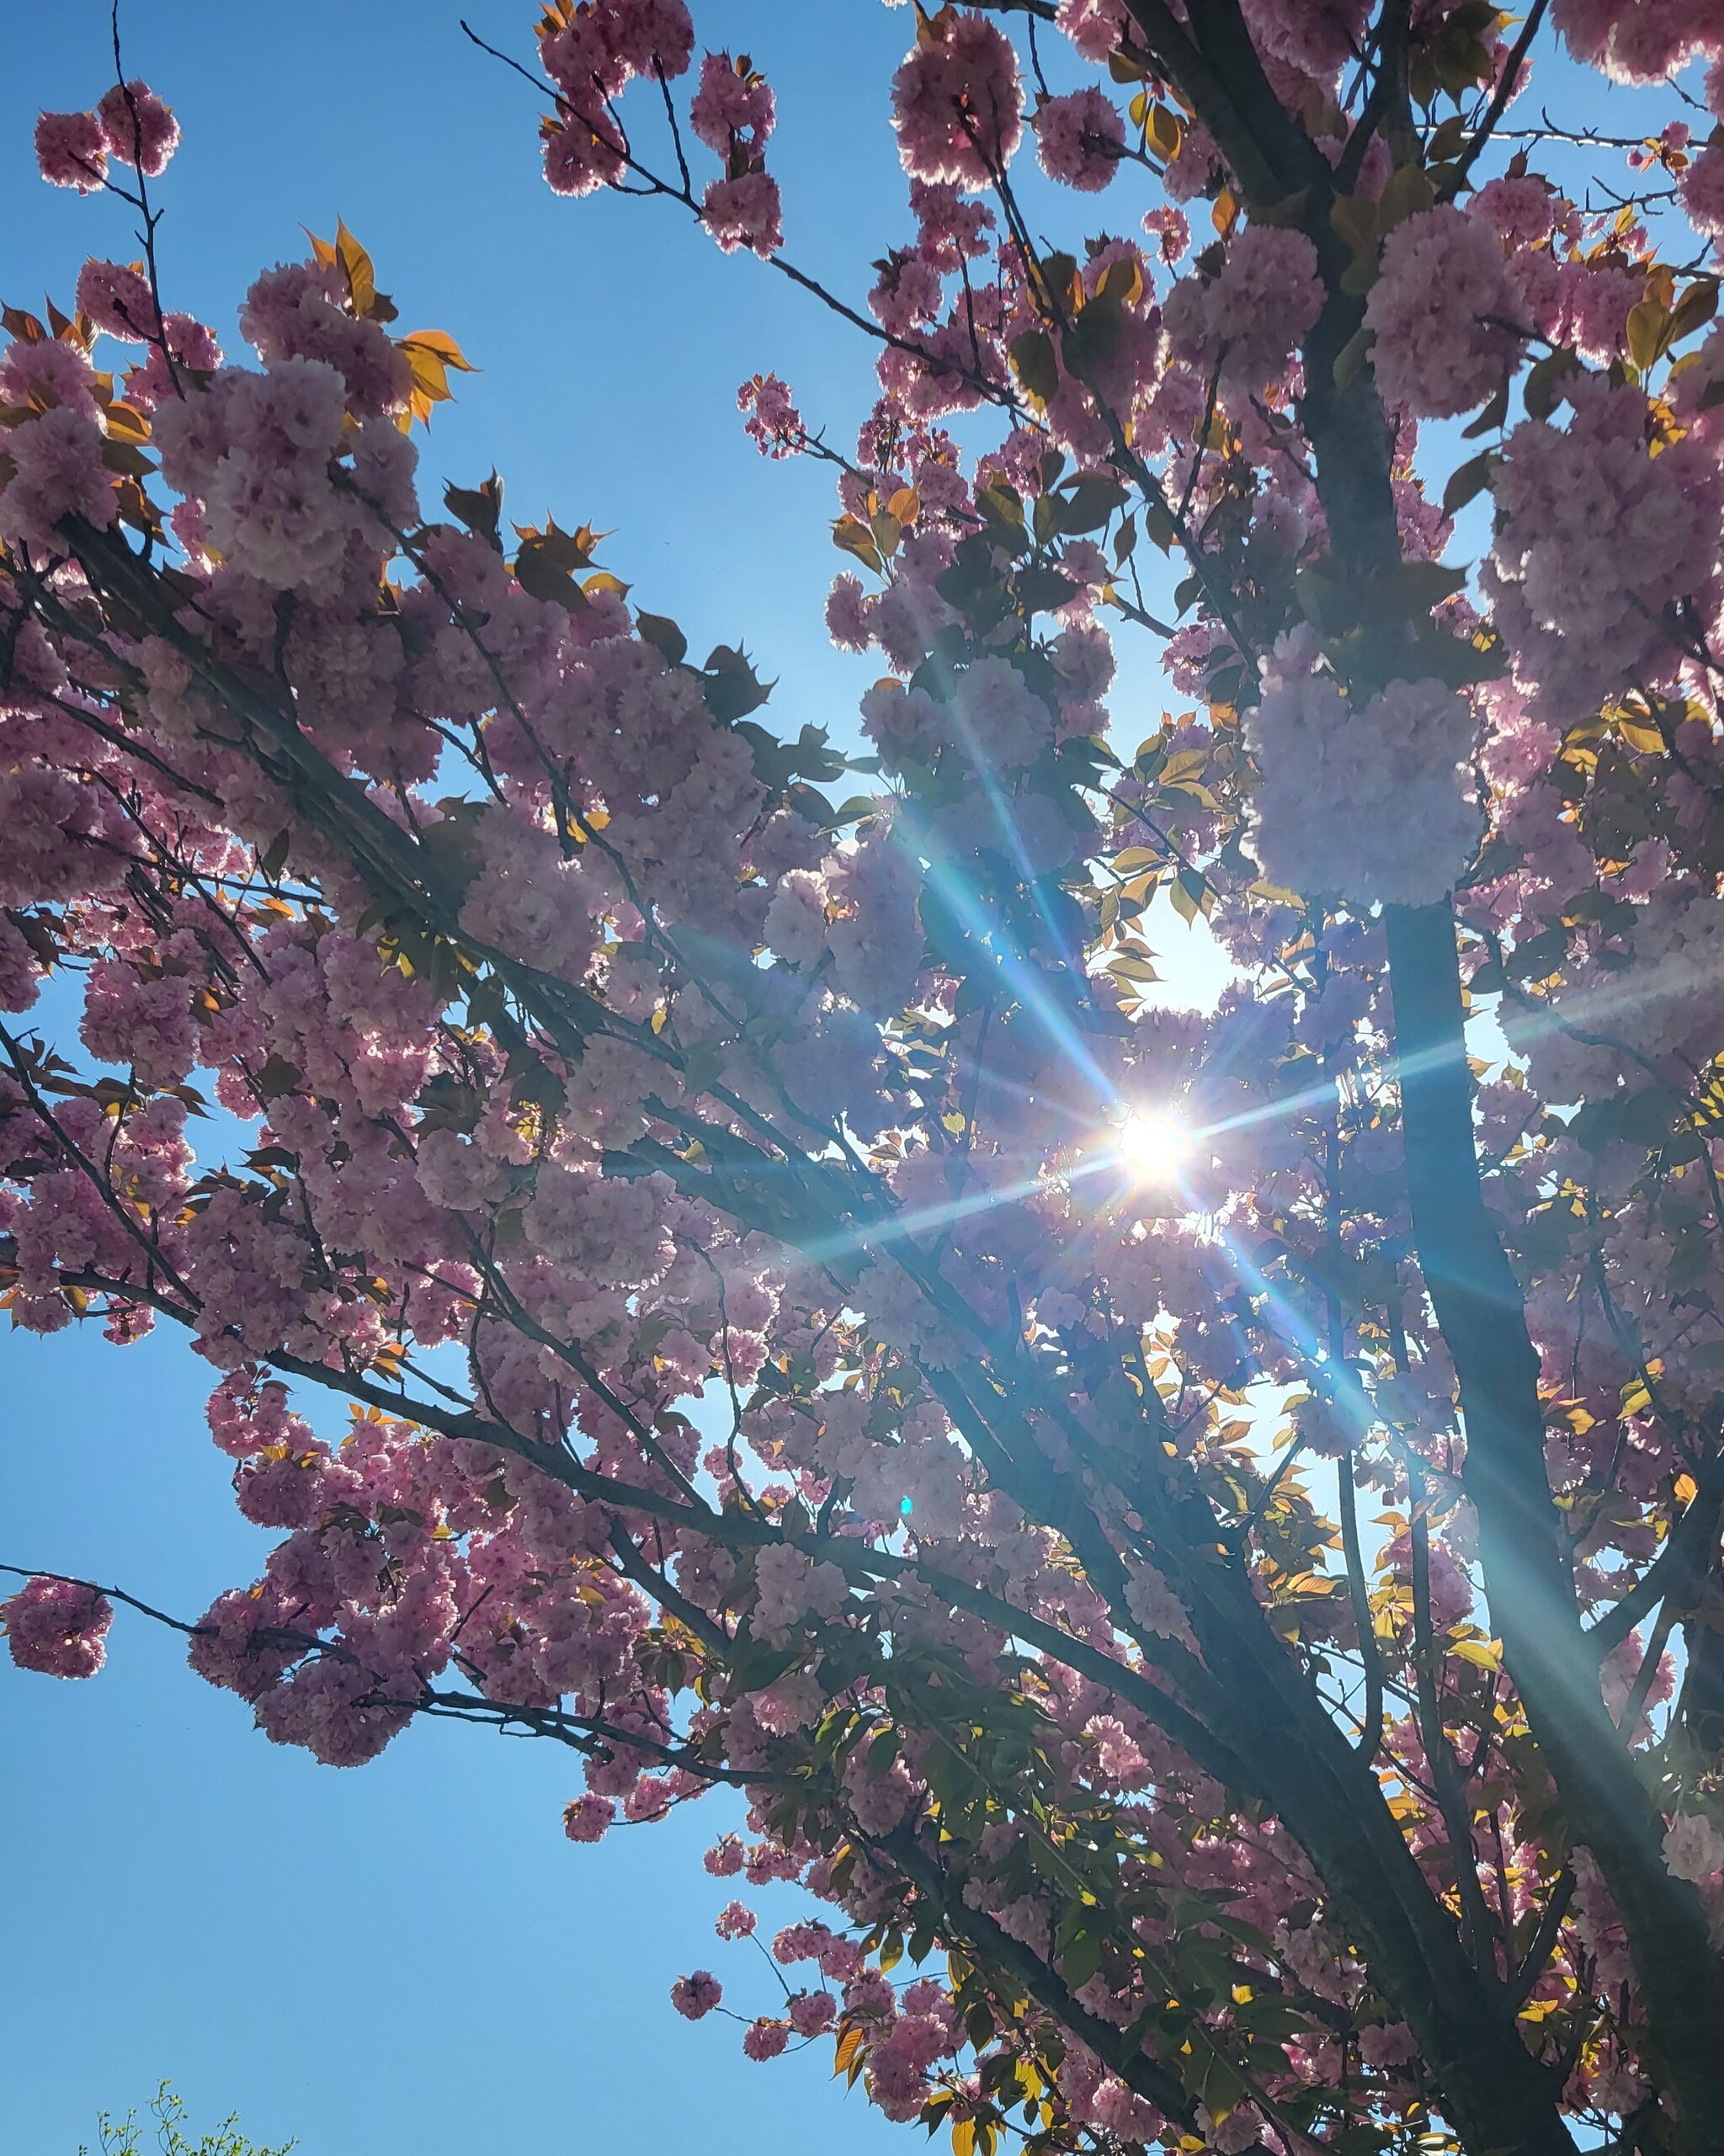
column 1150, row 1144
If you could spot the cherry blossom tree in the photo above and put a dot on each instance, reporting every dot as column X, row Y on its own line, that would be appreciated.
column 1210, row 1554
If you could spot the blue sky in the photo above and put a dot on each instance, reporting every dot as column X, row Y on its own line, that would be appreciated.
column 410, row 1957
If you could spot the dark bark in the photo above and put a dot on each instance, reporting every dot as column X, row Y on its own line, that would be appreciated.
column 1495, row 2093
column 1481, row 1311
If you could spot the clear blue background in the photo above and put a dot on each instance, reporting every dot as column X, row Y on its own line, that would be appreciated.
column 410, row 1957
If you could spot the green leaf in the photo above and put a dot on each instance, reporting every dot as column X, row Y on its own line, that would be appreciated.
column 659, row 631
column 1080, row 1958
column 882, row 1751
column 1034, row 363
column 1693, row 311
column 480, row 508
column 731, row 687
column 1042, row 589
column 1538, row 392
column 1089, row 501
column 1468, row 480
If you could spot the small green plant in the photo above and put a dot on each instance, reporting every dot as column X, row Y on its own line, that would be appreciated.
column 125, row 2137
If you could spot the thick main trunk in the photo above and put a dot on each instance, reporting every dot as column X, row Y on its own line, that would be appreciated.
column 1481, row 1311
column 1496, row 2095
column 1482, row 1314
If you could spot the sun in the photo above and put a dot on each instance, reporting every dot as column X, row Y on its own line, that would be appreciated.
column 1150, row 1144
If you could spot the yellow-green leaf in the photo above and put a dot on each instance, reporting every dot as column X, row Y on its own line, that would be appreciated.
column 357, row 268
column 1647, row 324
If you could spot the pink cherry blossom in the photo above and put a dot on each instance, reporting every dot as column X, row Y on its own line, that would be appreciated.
column 1248, row 318
column 118, row 300
column 1399, row 763
column 57, row 1626
column 582, row 155
column 735, row 1921
column 732, row 109
column 773, row 422
column 1076, row 138
column 70, row 151
column 137, row 129
column 587, row 1818
column 765, row 2039
column 1445, row 313
column 821, row 1309
column 1095, row 27
column 58, row 472
column 957, row 103
column 744, row 212
column 696, row 1995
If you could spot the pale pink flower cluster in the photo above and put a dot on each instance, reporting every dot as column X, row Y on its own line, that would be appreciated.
column 59, row 836
column 1701, row 188
column 1639, row 43
column 696, row 1995
column 1373, row 805
column 732, row 113
column 530, row 899
column 1693, row 1848
column 903, row 724
column 1153, row 1603
column 143, row 1024
column 70, row 151
column 1316, row 37
column 137, row 129
column 1248, row 318
column 900, row 2064
column 118, row 299
column 735, row 1920
column 131, row 125
column 765, row 2038
column 58, row 472
column 957, row 103
column 192, row 347
column 19, row 968
column 294, row 311
column 606, row 42
column 812, row 2012
column 875, row 935
column 584, row 154
column 1445, row 314
column 733, row 109
column 746, row 211
column 601, row 1228
column 591, row 58
column 58, row 1627
column 793, row 1591
column 773, row 422
column 258, row 451
column 998, row 717
column 1595, row 536
column 1079, row 139
column 589, row 1819
column 795, row 924
column 1679, row 939
column 1095, row 27
column 46, row 372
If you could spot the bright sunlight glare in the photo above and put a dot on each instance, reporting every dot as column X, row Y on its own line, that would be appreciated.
column 1150, row 1144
